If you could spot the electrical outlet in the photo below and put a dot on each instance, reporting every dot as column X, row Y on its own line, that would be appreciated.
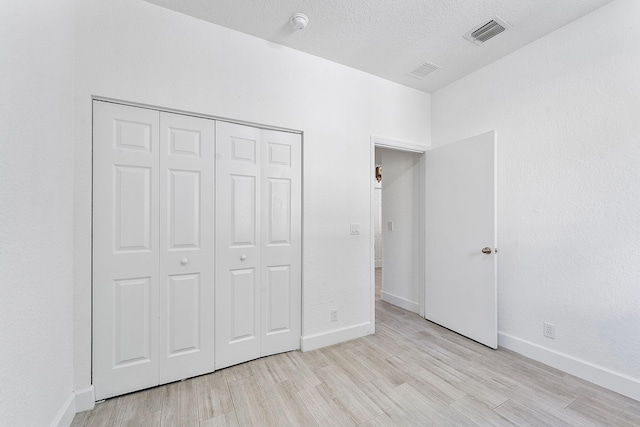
column 334, row 315
column 390, row 225
column 549, row 330
column 355, row 229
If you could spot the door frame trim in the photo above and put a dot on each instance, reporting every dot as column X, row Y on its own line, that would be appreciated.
column 391, row 144
column 191, row 113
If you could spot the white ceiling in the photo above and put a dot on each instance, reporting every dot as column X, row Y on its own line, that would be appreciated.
column 390, row 38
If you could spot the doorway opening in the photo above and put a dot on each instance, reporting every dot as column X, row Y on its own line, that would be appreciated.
column 397, row 224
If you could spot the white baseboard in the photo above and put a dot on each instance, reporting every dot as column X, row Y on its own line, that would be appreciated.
column 335, row 336
column 85, row 399
column 66, row 413
column 400, row 302
column 620, row 383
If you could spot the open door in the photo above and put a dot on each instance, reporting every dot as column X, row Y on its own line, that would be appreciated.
column 461, row 261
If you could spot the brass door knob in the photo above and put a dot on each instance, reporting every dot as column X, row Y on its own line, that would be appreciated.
column 486, row 250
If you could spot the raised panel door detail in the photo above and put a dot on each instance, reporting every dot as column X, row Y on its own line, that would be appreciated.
column 279, row 154
column 243, row 210
column 132, row 204
column 279, row 298
column 184, row 209
column 279, row 211
column 184, row 142
column 243, row 150
column 125, row 247
column 132, row 135
column 280, row 242
column 186, row 294
column 131, row 322
column 183, row 314
column 242, row 304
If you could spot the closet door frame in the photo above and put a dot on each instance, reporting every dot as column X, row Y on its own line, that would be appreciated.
column 156, row 213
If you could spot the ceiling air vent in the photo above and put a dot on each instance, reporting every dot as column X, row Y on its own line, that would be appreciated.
column 422, row 71
column 487, row 30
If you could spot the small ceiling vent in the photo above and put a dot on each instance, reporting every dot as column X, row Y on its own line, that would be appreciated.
column 487, row 30
column 423, row 70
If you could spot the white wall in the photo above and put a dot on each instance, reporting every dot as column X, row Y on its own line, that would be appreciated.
column 566, row 110
column 400, row 247
column 135, row 51
column 36, row 212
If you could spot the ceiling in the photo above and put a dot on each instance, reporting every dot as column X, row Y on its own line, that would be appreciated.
column 390, row 38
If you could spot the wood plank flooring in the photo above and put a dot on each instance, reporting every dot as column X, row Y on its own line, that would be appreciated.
column 410, row 373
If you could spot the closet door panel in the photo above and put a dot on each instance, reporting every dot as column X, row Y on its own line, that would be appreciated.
column 186, row 246
column 242, row 305
column 281, row 242
column 183, row 311
column 184, row 216
column 125, row 249
column 237, row 304
column 278, row 289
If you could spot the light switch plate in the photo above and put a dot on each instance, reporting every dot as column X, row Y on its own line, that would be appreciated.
column 390, row 226
column 355, row 229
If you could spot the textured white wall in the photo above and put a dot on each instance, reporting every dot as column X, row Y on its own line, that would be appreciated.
column 566, row 111
column 36, row 210
column 400, row 247
column 135, row 51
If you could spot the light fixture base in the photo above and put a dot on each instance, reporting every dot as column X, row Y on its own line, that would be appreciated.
column 299, row 21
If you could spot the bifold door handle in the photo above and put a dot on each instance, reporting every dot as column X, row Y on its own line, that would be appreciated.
column 486, row 250
column 184, row 261
column 243, row 257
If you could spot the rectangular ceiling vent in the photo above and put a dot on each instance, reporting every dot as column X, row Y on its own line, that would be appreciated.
column 423, row 70
column 487, row 30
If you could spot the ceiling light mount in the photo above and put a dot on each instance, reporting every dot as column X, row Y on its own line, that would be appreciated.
column 299, row 21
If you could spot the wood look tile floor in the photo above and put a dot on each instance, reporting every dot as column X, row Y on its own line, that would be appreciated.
column 410, row 373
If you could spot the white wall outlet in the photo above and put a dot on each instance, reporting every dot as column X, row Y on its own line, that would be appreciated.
column 549, row 330
column 355, row 229
column 390, row 225
column 334, row 315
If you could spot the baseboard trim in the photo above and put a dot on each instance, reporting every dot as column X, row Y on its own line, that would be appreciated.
column 66, row 413
column 400, row 302
column 335, row 336
column 85, row 399
column 615, row 381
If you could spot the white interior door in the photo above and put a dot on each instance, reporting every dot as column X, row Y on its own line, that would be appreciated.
column 281, row 275
column 153, row 256
column 153, row 193
column 461, row 285
column 186, row 246
column 258, row 249
column 125, row 249
column 237, row 293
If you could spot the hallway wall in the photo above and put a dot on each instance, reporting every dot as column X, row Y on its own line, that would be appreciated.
column 400, row 246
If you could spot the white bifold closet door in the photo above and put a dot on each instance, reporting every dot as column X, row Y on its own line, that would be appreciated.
column 186, row 246
column 258, row 245
column 153, row 219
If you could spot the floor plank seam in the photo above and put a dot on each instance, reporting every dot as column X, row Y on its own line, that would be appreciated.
column 410, row 372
